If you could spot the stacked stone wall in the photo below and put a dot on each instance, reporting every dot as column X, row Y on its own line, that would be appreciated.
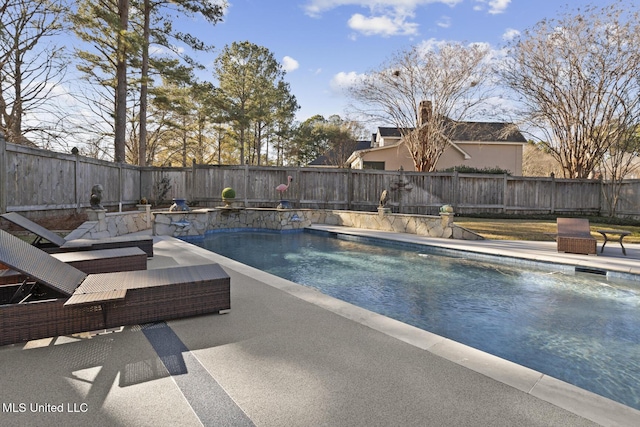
column 199, row 221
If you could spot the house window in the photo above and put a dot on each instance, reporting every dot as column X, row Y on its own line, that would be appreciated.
column 373, row 165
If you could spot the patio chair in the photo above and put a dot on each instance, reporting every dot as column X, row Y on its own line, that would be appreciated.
column 574, row 236
column 58, row 299
column 90, row 262
column 50, row 242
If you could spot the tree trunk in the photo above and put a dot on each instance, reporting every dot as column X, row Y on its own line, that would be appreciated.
column 121, row 84
column 142, row 145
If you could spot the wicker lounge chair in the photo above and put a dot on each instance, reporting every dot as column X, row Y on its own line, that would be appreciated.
column 90, row 262
column 574, row 236
column 58, row 299
column 50, row 242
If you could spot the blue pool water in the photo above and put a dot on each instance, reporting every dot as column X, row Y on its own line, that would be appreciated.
column 580, row 328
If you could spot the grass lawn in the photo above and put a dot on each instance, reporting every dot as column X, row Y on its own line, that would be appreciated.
column 530, row 229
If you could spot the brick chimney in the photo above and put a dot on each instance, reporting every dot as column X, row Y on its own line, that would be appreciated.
column 424, row 112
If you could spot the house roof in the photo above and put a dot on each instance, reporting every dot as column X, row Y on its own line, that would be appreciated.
column 486, row 132
column 470, row 131
column 389, row 132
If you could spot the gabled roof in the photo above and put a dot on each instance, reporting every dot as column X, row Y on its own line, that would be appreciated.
column 389, row 132
column 486, row 132
column 470, row 131
column 361, row 152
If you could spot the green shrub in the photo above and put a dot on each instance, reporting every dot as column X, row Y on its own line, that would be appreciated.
column 228, row 193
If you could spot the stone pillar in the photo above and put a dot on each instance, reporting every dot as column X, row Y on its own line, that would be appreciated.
column 99, row 215
column 147, row 213
column 382, row 211
column 446, row 218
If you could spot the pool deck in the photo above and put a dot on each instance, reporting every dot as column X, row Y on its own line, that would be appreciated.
column 287, row 355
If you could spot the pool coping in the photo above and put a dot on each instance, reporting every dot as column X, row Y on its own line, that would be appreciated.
column 581, row 402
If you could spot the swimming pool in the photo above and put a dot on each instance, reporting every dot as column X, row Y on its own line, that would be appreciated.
column 580, row 328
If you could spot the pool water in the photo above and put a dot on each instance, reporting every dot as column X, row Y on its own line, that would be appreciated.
column 580, row 328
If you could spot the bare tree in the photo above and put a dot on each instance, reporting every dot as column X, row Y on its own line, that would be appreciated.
column 622, row 159
column 577, row 81
column 451, row 78
column 30, row 66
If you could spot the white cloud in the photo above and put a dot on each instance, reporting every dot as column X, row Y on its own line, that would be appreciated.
column 382, row 25
column 342, row 80
column 444, row 22
column 385, row 18
column 289, row 64
column 495, row 6
column 498, row 6
column 317, row 7
column 510, row 34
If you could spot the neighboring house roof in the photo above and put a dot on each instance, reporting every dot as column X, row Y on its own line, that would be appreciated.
column 486, row 132
column 362, row 152
column 389, row 132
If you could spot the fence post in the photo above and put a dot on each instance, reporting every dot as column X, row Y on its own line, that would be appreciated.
column 610, row 210
column 553, row 193
column 246, row 184
column 3, row 174
column 456, row 183
column 120, row 184
column 504, row 193
column 192, row 189
column 140, row 192
column 401, row 191
column 349, row 189
column 76, row 172
column 300, row 187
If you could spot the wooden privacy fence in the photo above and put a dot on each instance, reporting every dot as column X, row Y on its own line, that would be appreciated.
column 37, row 180
column 40, row 180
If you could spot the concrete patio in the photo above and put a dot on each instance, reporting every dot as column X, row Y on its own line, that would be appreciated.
column 287, row 355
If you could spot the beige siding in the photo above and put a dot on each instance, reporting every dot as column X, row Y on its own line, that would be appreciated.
column 501, row 155
column 393, row 158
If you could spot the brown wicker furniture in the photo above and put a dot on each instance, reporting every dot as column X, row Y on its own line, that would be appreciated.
column 58, row 299
column 574, row 236
column 50, row 242
column 90, row 262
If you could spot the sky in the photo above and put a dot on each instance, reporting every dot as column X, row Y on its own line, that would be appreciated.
column 323, row 44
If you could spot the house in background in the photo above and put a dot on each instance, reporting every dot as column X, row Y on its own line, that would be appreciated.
column 474, row 144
